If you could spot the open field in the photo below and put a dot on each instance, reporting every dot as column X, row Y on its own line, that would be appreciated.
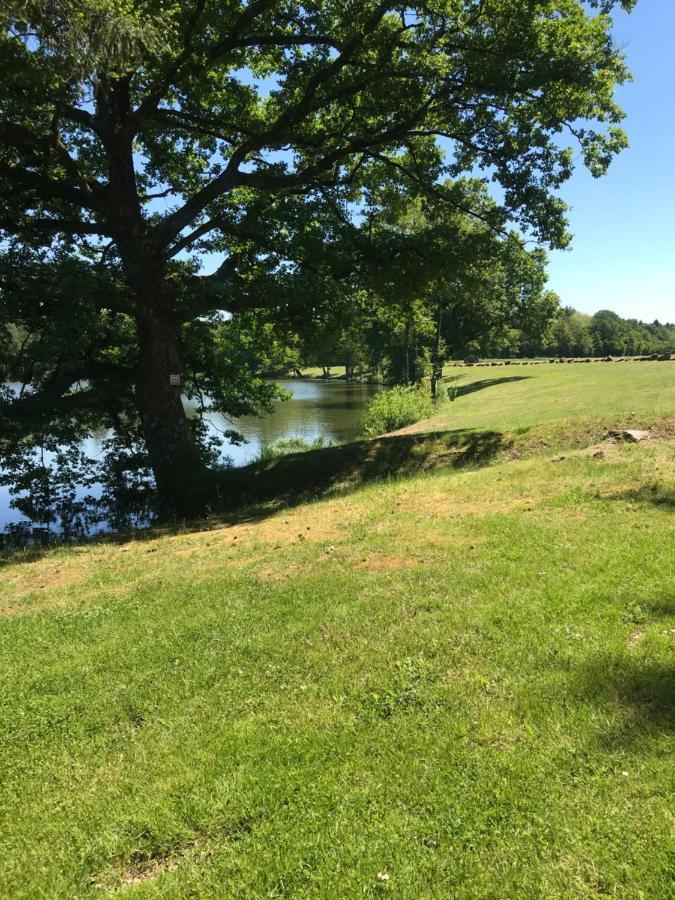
column 454, row 682
column 524, row 396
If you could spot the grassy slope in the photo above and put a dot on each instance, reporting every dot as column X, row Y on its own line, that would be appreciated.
column 461, row 680
column 527, row 395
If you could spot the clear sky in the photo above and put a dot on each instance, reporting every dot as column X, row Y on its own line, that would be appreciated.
column 623, row 253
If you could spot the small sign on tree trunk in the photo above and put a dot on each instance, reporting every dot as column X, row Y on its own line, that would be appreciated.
column 174, row 380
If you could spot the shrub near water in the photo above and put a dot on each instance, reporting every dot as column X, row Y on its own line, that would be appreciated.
column 396, row 408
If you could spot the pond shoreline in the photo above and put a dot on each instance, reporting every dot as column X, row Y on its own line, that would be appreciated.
column 318, row 409
column 313, row 375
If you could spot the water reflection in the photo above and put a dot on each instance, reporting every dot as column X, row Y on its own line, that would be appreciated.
column 317, row 409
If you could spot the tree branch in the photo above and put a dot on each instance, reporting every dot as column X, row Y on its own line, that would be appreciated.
column 44, row 223
column 162, row 85
column 428, row 189
column 75, row 114
column 23, row 181
column 159, row 89
column 35, row 147
column 174, row 223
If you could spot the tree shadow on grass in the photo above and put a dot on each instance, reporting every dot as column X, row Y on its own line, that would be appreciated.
column 662, row 495
column 254, row 492
column 299, row 477
column 636, row 685
column 482, row 383
column 10, row 556
column 641, row 690
column 660, row 609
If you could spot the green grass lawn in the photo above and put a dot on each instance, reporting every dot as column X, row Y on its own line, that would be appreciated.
column 454, row 683
column 515, row 396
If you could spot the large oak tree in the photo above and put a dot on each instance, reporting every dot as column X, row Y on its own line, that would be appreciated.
column 141, row 136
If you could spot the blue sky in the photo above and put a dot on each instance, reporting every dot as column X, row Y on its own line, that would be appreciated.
column 623, row 252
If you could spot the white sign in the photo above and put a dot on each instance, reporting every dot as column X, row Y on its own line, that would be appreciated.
column 175, row 380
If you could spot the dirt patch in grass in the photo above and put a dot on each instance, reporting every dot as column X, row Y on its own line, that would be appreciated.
column 445, row 505
column 635, row 638
column 379, row 562
column 43, row 579
column 309, row 524
column 283, row 571
column 141, row 869
column 45, row 575
column 663, row 430
column 138, row 874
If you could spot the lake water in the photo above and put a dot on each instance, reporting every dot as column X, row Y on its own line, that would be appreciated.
column 327, row 409
column 317, row 409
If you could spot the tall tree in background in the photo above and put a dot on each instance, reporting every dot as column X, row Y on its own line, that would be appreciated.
column 443, row 277
column 138, row 138
column 608, row 332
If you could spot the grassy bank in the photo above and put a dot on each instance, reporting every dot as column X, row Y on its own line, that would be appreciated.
column 524, row 396
column 495, row 417
column 453, row 682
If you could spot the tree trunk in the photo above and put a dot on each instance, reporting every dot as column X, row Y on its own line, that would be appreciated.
column 415, row 368
column 406, row 351
column 183, row 481
column 437, row 357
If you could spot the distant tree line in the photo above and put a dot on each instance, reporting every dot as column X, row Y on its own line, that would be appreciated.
column 404, row 344
column 574, row 334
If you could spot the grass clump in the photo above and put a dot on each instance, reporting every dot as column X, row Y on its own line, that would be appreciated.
column 396, row 408
column 286, row 446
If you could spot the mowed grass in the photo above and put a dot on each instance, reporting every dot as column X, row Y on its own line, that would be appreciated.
column 517, row 396
column 455, row 684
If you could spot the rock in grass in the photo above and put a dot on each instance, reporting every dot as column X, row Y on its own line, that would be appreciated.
column 633, row 435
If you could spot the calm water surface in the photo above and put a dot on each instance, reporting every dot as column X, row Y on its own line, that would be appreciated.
column 327, row 409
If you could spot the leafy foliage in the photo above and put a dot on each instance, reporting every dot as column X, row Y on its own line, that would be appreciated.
column 395, row 408
column 434, row 278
